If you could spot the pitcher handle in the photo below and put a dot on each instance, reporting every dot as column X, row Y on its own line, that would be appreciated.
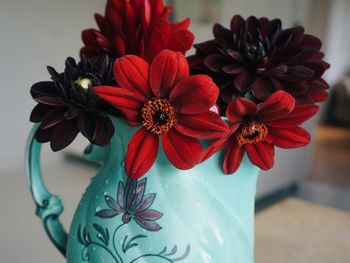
column 48, row 206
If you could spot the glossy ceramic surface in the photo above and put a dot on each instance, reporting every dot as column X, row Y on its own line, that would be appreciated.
column 169, row 215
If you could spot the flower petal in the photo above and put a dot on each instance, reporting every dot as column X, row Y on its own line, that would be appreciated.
column 182, row 151
column 206, row 125
column 52, row 118
column 298, row 116
column 139, row 193
column 131, row 72
column 243, row 81
column 166, row 70
column 112, row 203
column 261, row 154
column 63, row 135
column 141, row 154
column 39, row 112
column 106, row 213
column 119, row 97
column 147, row 202
column 239, row 108
column 43, row 136
column 149, row 214
column 233, row 157
column 276, row 107
column 289, row 138
column 147, row 224
column 195, row 94
column 213, row 148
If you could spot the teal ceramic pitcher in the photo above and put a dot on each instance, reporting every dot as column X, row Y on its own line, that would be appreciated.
column 195, row 216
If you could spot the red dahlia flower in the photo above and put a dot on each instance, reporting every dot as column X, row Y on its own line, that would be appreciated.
column 168, row 104
column 136, row 27
column 258, row 57
column 257, row 129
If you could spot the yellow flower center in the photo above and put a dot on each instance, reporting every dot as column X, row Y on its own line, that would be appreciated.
column 158, row 116
column 84, row 83
column 252, row 132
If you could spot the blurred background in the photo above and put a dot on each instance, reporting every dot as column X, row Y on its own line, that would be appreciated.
column 37, row 33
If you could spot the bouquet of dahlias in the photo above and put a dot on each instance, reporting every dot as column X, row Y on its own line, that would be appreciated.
column 246, row 91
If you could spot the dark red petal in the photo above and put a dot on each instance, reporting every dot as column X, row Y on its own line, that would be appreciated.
column 263, row 88
column 237, row 22
column 194, row 95
column 52, row 118
column 104, row 130
column 206, row 125
column 63, row 135
column 276, row 107
column 51, row 101
column 166, row 70
column 39, row 112
column 131, row 72
column 141, row 154
column 44, row 89
column 216, row 62
column 290, row 137
column 119, row 97
column 182, row 151
column 233, row 69
column 233, row 157
column 239, row 108
column 297, row 73
column 299, row 115
column 43, row 136
column 261, row 154
column 243, row 81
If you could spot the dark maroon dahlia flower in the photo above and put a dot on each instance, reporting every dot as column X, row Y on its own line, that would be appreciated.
column 66, row 106
column 256, row 57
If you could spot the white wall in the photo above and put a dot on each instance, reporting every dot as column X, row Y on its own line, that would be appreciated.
column 34, row 34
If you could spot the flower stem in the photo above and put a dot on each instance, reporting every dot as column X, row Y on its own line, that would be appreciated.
column 101, row 246
column 114, row 242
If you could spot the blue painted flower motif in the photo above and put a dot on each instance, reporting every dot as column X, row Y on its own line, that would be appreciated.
column 132, row 202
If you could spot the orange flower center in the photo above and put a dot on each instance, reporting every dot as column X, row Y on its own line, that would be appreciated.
column 252, row 132
column 158, row 116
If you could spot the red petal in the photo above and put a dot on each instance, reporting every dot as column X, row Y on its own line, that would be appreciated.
column 182, row 151
column 289, row 138
column 299, row 115
column 195, row 94
column 276, row 107
column 118, row 97
column 158, row 38
column 206, row 125
column 240, row 108
column 233, row 157
column 166, row 70
column 141, row 154
column 261, row 154
column 213, row 148
column 131, row 72
column 181, row 40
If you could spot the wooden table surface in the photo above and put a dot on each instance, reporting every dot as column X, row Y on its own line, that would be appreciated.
column 294, row 231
